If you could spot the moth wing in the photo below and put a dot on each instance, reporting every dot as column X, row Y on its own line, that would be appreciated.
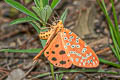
column 79, row 53
column 56, row 53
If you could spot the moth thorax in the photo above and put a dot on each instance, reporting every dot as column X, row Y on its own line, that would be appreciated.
column 59, row 26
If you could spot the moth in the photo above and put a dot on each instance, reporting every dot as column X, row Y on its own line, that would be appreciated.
column 64, row 48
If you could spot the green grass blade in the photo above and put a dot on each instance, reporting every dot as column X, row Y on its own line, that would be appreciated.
column 115, row 20
column 22, row 20
column 117, row 49
column 79, row 70
column 64, row 15
column 54, row 3
column 61, row 76
column 21, row 8
column 57, row 78
column 106, row 14
column 99, row 3
column 115, row 16
column 90, row 70
column 109, row 63
column 52, row 71
column 113, row 49
column 22, row 50
column 42, row 75
column 116, row 34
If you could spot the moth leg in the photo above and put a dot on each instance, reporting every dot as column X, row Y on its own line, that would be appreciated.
column 51, row 37
column 45, row 28
column 38, row 55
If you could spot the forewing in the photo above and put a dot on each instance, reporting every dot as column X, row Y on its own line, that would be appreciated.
column 56, row 53
column 79, row 53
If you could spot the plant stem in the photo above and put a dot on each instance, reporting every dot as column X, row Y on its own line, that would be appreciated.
column 79, row 70
column 52, row 71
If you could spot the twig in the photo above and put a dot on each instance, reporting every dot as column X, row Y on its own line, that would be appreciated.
column 4, row 71
column 103, row 50
column 29, row 70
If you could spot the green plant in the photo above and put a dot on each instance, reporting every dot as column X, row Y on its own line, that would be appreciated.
column 114, row 29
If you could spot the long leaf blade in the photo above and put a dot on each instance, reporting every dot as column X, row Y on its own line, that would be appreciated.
column 37, row 3
column 21, row 8
column 78, row 70
column 45, row 2
column 36, row 27
column 22, row 51
column 61, row 76
column 109, row 63
column 64, row 15
column 45, row 13
column 54, row 3
column 22, row 20
column 115, row 16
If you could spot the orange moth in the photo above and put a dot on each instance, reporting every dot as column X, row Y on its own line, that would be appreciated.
column 64, row 48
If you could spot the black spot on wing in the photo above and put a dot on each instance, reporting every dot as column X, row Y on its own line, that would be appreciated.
column 57, row 45
column 62, row 62
column 62, row 52
column 53, row 52
column 54, row 59
column 47, row 52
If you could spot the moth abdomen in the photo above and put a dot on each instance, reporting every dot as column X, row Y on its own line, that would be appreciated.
column 45, row 34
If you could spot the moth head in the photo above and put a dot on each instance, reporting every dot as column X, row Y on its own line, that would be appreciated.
column 58, row 25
